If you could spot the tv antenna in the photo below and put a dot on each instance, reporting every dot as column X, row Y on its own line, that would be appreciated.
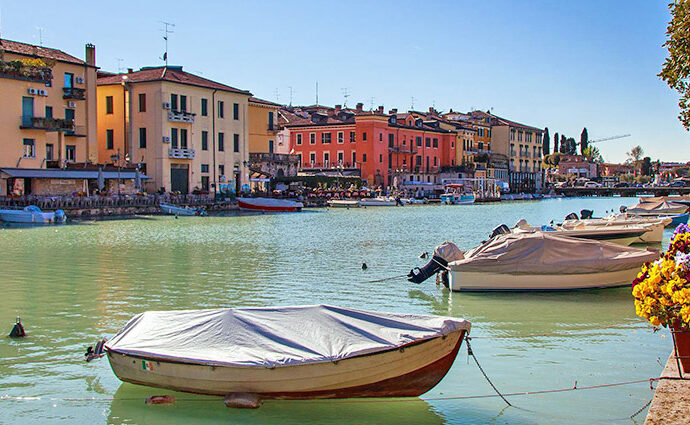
column 40, row 35
column 412, row 106
column 346, row 94
column 167, row 31
column 120, row 69
column 290, row 95
column 277, row 95
column 317, row 92
column 371, row 103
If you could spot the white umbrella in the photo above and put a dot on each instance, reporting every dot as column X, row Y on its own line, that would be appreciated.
column 101, row 179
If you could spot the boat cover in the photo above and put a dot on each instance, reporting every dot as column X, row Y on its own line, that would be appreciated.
column 550, row 253
column 275, row 336
column 449, row 252
column 662, row 207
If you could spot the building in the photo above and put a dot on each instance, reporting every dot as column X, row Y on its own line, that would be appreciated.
column 48, row 118
column 187, row 133
column 577, row 165
column 263, row 125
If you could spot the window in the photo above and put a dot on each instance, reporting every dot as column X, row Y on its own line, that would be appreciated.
column 488, row 133
column 352, row 137
column 270, row 146
column 204, row 182
column 204, row 107
column 354, row 158
column 380, row 158
column 69, row 80
column 50, row 151
column 380, row 137
column 108, row 104
column 341, row 137
column 428, row 142
column 364, row 137
column 70, row 153
column 312, row 157
column 418, row 160
column 435, row 141
column 512, row 134
column 364, row 157
column 221, row 142
column 69, row 114
column 419, row 141
column 391, row 140
column 270, row 120
column 435, row 161
column 235, row 111
column 341, row 157
column 173, row 138
column 204, row 168
column 519, row 136
column 312, row 138
column 236, row 142
column 204, row 140
column 142, row 138
column 142, row 102
column 299, row 139
column 173, row 102
column 183, row 103
column 183, row 138
column 29, row 148
column 221, row 106
column 326, row 159
column 109, row 139
column 49, row 112
column 221, row 169
column 325, row 138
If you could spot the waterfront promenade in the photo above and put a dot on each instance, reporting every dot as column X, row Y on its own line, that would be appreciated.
column 671, row 403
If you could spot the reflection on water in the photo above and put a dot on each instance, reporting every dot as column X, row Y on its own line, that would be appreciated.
column 74, row 284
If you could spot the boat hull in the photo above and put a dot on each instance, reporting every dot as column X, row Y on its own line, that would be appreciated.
column 19, row 216
column 175, row 210
column 405, row 372
column 373, row 202
column 678, row 219
column 339, row 203
column 268, row 205
column 474, row 281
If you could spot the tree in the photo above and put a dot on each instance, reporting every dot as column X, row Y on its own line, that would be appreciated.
column 564, row 145
column 555, row 143
column 634, row 157
column 592, row 154
column 584, row 140
column 546, row 142
column 646, row 167
column 571, row 146
column 676, row 70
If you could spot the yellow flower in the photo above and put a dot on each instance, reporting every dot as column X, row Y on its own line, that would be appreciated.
column 654, row 321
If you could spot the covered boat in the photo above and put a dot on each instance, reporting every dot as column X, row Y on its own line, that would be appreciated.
column 287, row 352
column 33, row 215
column 343, row 203
column 654, row 226
column 544, row 261
column 379, row 201
column 180, row 210
column 269, row 205
column 622, row 235
column 661, row 208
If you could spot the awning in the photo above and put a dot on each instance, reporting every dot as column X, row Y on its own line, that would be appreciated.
column 58, row 173
column 259, row 180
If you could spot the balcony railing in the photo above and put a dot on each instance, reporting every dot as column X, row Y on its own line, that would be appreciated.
column 283, row 158
column 181, row 153
column 330, row 165
column 73, row 93
column 47, row 124
column 181, row 116
column 19, row 71
column 402, row 149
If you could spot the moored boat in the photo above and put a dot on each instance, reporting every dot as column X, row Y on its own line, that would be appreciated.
column 654, row 226
column 379, row 201
column 33, row 215
column 622, row 235
column 181, row 211
column 269, row 205
column 343, row 203
column 661, row 208
column 300, row 352
column 457, row 194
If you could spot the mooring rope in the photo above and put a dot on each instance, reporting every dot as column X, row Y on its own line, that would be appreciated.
column 481, row 369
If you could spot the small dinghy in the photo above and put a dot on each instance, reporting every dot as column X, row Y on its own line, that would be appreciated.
column 269, row 205
column 300, row 352
column 33, row 215
column 182, row 211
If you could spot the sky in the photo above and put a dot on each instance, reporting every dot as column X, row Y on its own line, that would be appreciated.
column 559, row 64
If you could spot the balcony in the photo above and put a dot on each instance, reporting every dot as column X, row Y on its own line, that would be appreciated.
column 19, row 71
column 78, row 131
column 181, row 153
column 73, row 93
column 402, row 149
column 282, row 158
column 181, row 116
column 47, row 124
column 330, row 165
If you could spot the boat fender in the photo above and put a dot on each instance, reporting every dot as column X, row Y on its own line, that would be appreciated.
column 571, row 216
column 243, row 400
column 160, row 399
column 18, row 329
column 585, row 214
column 623, row 209
column 96, row 352
column 419, row 275
column 499, row 230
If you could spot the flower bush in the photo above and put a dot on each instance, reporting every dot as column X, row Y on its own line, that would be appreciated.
column 662, row 288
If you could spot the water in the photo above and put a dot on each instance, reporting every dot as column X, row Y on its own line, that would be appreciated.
column 74, row 284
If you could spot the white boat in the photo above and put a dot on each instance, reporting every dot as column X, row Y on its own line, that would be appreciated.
column 300, row 352
column 269, row 205
column 545, row 261
column 656, row 209
column 379, row 201
column 343, row 203
column 621, row 235
column 179, row 210
column 654, row 226
column 457, row 194
column 33, row 214
column 412, row 201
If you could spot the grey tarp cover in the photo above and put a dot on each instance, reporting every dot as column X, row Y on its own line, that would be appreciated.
column 550, row 253
column 449, row 252
column 656, row 207
column 277, row 336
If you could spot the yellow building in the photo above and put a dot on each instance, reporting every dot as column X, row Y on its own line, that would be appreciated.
column 185, row 132
column 263, row 125
column 47, row 118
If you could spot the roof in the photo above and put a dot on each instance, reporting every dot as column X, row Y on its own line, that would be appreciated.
column 20, row 48
column 173, row 74
column 264, row 102
column 58, row 173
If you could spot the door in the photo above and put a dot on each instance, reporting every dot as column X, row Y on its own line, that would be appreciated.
column 179, row 178
column 270, row 146
column 27, row 110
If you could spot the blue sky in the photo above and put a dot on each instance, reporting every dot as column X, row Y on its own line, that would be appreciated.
column 559, row 64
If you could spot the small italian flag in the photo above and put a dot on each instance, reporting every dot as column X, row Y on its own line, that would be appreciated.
column 146, row 365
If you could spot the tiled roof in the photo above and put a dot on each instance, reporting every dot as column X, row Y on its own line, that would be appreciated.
column 19, row 48
column 173, row 74
column 264, row 102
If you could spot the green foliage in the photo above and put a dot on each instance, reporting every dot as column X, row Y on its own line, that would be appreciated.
column 584, row 140
column 564, row 145
column 646, row 167
column 676, row 69
column 546, row 142
column 555, row 143
column 592, row 154
column 552, row 160
column 571, row 146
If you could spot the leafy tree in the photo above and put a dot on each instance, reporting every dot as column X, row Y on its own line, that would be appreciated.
column 564, row 145
column 555, row 143
column 571, row 146
column 592, row 154
column 546, row 142
column 646, row 167
column 584, row 140
column 634, row 157
column 676, row 70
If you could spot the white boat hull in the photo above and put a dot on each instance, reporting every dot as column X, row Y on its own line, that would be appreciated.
column 175, row 210
column 343, row 203
column 25, row 217
column 475, row 281
column 376, row 202
column 409, row 371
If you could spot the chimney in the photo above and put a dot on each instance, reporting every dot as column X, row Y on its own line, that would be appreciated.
column 91, row 54
column 130, row 70
column 393, row 111
column 380, row 110
column 359, row 107
column 338, row 108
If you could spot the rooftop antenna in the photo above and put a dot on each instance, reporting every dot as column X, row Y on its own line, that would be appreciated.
column 167, row 31
column 120, row 69
column 290, row 95
column 371, row 103
column 317, row 92
column 277, row 95
column 346, row 94
column 40, row 35
column 412, row 106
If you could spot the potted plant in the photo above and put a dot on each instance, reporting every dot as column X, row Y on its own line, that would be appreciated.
column 662, row 293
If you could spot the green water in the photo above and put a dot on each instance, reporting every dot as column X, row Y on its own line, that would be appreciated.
column 76, row 283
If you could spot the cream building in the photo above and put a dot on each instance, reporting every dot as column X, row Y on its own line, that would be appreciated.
column 185, row 132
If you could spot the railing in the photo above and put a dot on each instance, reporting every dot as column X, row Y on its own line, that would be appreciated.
column 181, row 153
column 47, row 123
column 96, row 201
column 77, row 131
column 330, row 165
column 17, row 70
column 73, row 93
column 402, row 149
column 181, row 116
column 273, row 157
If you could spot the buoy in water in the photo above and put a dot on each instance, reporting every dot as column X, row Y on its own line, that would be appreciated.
column 18, row 329
column 364, row 266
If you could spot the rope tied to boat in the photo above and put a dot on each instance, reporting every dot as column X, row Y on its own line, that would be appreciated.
column 481, row 369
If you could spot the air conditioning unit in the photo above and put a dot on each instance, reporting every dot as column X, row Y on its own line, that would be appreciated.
column 71, row 104
column 32, row 90
column 166, row 139
column 166, row 105
column 80, row 80
column 42, row 92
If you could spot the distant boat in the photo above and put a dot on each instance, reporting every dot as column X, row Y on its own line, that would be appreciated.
column 413, row 201
column 660, row 208
column 457, row 194
column 379, row 201
column 300, row 352
column 33, row 214
column 178, row 210
column 343, row 203
column 269, row 205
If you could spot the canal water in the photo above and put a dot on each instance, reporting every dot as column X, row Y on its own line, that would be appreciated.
column 76, row 283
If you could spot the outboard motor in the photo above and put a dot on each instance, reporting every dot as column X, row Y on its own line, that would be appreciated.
column 443, row 254
column 499, row 230
column 623, row 209
column 571, row 216
column 585, row 214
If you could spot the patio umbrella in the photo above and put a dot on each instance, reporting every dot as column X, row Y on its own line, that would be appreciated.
column 137, row 180
column 101, row 179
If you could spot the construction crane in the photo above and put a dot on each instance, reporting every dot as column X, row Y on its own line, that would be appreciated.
column 604, row 139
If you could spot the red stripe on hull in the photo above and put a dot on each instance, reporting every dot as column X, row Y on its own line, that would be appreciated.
column 251, row 207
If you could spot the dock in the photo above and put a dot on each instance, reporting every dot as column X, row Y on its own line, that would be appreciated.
column 671, row 403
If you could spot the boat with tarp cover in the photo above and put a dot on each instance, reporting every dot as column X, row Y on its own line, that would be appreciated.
column 298, row 352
